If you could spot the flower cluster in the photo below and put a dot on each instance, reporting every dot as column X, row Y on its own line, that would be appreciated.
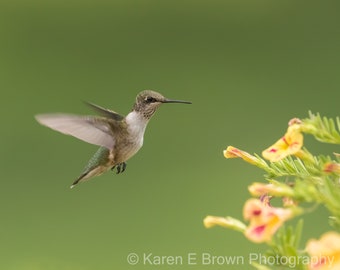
column 308, row 179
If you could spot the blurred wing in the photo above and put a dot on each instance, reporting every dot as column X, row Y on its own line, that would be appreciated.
column 105, row 112
column 93, row 130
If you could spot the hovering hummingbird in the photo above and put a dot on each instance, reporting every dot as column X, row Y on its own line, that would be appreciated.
column 119, row 137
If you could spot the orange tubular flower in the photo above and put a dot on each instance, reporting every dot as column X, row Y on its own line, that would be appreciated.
column 264, row 220
column 289, row 144
column 325, row 253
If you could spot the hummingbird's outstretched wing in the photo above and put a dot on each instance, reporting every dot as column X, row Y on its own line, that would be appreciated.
column 94, row 130
column 105, row 112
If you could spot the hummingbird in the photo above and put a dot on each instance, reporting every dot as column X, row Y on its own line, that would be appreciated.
column 119, row 137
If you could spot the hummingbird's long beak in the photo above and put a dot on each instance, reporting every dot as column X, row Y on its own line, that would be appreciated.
column 175, row 101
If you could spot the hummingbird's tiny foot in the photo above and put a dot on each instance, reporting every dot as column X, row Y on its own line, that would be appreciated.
column 121, row 167
column 124, row 167
column 113, row 168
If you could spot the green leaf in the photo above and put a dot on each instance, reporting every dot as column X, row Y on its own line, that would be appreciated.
column 322, row 128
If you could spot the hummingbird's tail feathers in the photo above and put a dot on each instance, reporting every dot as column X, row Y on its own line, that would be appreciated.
column 105, row 112
column 82, row 176
column 94, row 130
column 93, row 169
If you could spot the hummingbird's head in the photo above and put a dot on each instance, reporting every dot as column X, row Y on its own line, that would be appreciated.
column 148, row 101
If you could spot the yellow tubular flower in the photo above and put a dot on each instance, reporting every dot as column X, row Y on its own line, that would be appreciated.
column 227, row 222
column 325, row 253
column 264, row 220
column 233, row 152
column 289, row 144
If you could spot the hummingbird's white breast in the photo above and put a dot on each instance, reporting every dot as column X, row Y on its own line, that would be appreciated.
column 136, row 124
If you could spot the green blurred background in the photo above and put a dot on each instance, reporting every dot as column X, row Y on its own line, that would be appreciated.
column 247, row 66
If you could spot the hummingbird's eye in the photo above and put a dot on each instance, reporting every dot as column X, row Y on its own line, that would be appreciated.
column 150, row 99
